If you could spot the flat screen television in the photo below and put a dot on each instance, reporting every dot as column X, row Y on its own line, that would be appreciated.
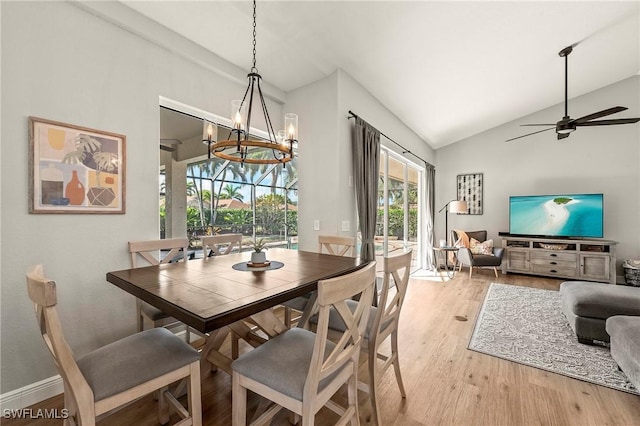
column 560, row 215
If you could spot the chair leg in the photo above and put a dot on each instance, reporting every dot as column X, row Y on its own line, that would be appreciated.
column 238, row 402
column 163, row 407
column 194, row 395
column 495, row 271
column 352, row 395
column 287, row 316
column 373, row 384
column 140, row 321
column 396, row 362
column 470, row 270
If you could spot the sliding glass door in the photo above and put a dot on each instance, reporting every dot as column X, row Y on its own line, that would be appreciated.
column 399, row 207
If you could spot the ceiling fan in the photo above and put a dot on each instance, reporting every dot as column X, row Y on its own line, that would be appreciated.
column 567, row 125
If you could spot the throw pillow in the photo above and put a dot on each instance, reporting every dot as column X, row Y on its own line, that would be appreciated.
column 477, row 247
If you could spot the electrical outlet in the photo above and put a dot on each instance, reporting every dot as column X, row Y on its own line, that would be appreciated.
column 345, row 226
column 316, row 225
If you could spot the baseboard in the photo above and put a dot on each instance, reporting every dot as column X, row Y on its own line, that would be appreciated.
column 31, row 394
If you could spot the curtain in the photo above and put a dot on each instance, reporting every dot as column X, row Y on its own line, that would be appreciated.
column 430, row 208
column 366, row 168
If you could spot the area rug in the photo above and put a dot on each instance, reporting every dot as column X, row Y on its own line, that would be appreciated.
column 527, row 326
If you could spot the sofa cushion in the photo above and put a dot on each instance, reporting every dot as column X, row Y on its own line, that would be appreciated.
column 597, row 300
column 625, row 345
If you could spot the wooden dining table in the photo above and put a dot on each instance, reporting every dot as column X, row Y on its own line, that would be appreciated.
column 212, row 297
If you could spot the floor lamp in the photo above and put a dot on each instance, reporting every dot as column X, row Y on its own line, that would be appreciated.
column 453, row 206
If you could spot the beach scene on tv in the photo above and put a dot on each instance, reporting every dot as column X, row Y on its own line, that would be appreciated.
column 557, row 215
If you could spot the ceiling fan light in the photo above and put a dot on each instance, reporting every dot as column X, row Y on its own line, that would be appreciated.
column 565, row 131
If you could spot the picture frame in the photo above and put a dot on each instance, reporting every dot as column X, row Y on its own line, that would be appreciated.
column 470, row 188
column 75, row 169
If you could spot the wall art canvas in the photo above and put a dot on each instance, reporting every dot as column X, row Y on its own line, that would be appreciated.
column 75, row 169
column 470, row 189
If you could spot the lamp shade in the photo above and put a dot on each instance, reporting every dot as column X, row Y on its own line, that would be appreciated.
column 458, row 207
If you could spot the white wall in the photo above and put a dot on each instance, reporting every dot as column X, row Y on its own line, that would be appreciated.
column 325, row 162
column 592, row 160
column 63, row 63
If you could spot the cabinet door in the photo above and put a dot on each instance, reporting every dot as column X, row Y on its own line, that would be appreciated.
column 518, row 260
column 594, row 266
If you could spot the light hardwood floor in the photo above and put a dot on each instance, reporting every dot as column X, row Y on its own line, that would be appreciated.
column 445, row 383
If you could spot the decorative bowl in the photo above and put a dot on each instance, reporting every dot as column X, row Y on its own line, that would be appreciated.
column 548, row 246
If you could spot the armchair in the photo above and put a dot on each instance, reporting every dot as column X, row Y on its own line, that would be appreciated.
column 467, row 258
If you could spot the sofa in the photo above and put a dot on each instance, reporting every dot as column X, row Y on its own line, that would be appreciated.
column 624, row 332
column 588, row 305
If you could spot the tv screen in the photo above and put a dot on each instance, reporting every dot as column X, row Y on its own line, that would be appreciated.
column 561, row 215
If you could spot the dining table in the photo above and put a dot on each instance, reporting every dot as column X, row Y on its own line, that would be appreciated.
column 221, row 294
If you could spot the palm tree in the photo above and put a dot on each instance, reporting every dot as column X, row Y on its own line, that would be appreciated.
column 237, row 173
column 232, row 192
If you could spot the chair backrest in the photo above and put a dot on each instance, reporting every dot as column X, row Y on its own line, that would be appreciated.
column 42, row 292
column 157, row 252
column 221, row 244
column 339, row 246
column 334, row 293
column 477, row 235
column 396, row 268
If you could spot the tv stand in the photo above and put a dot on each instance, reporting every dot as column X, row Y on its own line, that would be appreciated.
column 576, row 259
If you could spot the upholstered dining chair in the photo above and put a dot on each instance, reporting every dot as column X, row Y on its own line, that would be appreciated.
column 382, row 326
column 220, row 245
column 488, row 257
column 156, row 252
column 329, row 244
column 300, row 370
column 121, row 372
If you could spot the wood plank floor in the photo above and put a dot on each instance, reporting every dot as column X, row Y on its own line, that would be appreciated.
column 446, row 384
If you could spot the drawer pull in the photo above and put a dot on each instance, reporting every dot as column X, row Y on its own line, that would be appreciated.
column 553, row 263
column 553, row 255
column 553, row 270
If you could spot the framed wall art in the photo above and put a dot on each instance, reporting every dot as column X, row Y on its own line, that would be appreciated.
column 75, row 169
column 470, row 188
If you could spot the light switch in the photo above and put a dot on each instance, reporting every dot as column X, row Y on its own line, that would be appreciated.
column 316, row 225
column 345, row 226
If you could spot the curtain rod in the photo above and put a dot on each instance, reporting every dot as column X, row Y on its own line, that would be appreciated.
column 404, row 150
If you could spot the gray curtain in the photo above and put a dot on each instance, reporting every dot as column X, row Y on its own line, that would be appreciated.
column 366, row 168
column 430, row 207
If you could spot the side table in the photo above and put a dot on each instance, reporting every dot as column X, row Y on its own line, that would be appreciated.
column 444, row 251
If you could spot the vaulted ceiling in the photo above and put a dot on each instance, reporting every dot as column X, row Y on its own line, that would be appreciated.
column 447, row 69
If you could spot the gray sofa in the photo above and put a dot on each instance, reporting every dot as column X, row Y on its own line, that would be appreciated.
column 625, row 345
column 588, row 305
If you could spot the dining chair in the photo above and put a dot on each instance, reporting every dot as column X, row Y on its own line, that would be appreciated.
column 157, row 252
column 220, row 245
column 300, row 370
column 121, row 372
column 382, row 325
column 337, row 245
column 328, row 244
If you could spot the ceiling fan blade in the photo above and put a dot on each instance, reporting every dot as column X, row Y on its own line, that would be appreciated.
column 529, row 134
column 609, row 122
column 546, row 124
column 599, row 114
column 167, row 148
column 563, row 135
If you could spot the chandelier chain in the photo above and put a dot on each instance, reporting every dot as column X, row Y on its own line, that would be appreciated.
column 253, row 68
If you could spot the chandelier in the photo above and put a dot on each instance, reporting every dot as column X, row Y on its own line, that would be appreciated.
column 276, row 149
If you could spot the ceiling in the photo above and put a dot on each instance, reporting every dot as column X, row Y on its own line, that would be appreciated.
column 447, row 69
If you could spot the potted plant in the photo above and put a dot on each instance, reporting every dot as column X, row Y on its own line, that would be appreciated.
column 258, row 256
